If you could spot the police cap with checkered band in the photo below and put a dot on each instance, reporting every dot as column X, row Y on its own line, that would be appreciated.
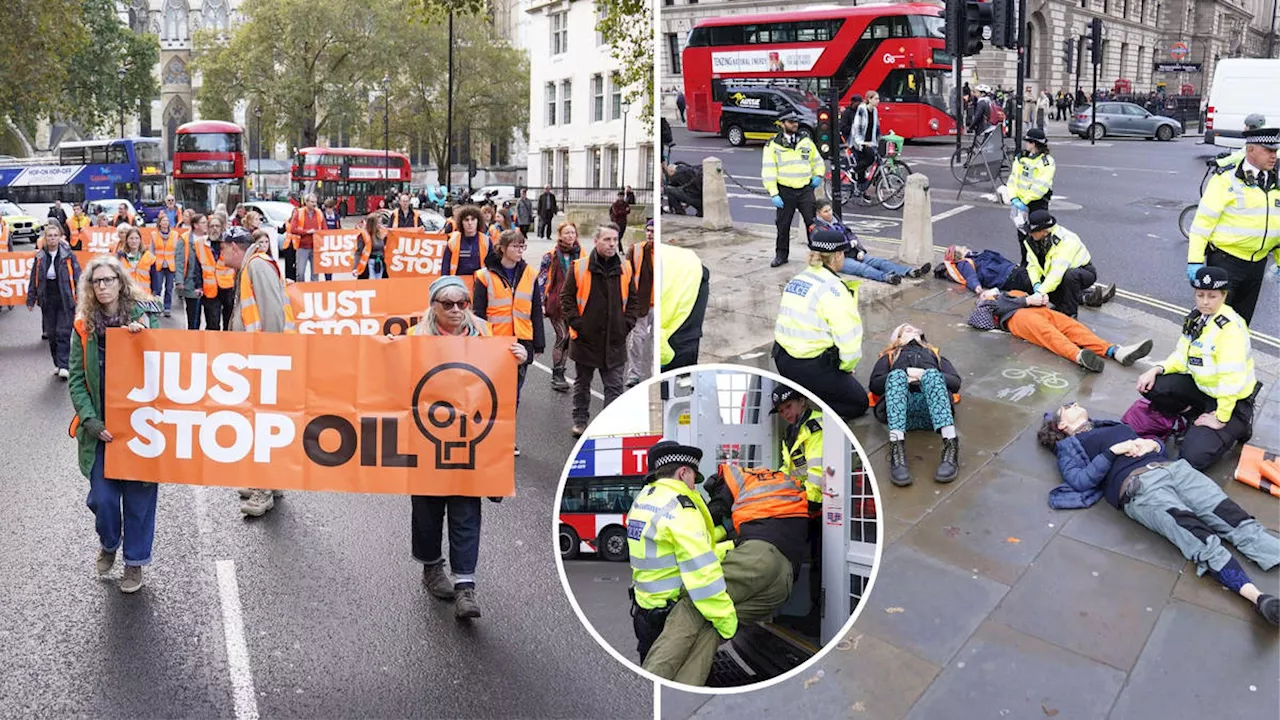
column 829, row 241
column 782, row 393
column 670, row 452
column 1211, row 278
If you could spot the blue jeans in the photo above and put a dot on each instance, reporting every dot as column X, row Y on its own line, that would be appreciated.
column 873, row 268
column 305, row 268
column 123, row 508
column 162, row 281
column 427, row 528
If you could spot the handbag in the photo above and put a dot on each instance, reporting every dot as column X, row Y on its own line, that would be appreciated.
column 983, row 316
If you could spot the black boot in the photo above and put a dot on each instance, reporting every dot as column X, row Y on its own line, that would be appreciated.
column 898, row 473
column 778, row 260
column 949, row 465
column 558, row 383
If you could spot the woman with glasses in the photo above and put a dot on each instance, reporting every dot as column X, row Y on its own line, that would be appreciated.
column 449, row 314
column 1105, row 458
column 125, row 510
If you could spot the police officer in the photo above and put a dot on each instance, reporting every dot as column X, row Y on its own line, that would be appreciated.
column 791, row 168
column 686, row 286
column 672, row 541
column 802, row 441
column 1238, row 221
column 1031, row 180
column 1208, row 379
column 1058, row 263
column 818, row 334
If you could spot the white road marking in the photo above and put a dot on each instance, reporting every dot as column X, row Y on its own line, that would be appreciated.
column 948, row 213
column 547, row 370
column 246, row 700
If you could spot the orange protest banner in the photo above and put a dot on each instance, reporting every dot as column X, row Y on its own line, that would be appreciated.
column 96, row 240
column 415, row 252
column 335, row 250
column 361, row 307
column 15, row 274
column 407, row 415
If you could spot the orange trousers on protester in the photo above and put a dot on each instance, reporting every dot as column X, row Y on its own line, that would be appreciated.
column 1055, row 332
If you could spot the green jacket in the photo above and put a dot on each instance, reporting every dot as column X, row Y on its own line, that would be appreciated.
column 85, row 383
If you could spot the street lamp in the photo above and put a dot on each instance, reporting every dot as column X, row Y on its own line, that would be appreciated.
column 121, row 72
column 257, row 114
column 386, row 134
column 622, row 177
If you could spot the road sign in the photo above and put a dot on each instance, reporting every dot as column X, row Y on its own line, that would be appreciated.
column 1179, row 51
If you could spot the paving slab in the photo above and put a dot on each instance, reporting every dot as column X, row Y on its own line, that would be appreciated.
column 992, row 525
column 1210, row 594
column 1103, row 526
column 924, row 494
column 1001, row 672
column 947, row 298
column 1030, row 381
column 1266, row 426
column 1201, row 664
column 926, row 606
column 989, row 425
column 1028, row 457
column 1088, row 600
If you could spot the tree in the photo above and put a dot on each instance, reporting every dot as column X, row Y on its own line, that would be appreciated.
column 94, row 93
column 627, row 25
column 41, row 37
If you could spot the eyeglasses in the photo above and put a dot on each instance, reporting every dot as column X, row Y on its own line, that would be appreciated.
column 451, row 304
column 105, row 282
column 519, row 246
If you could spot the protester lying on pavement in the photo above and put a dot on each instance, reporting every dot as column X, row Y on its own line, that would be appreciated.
column 1104, row 458
column 912, row 388
column 980, row 270
column 1026, row 317
column 857, row 261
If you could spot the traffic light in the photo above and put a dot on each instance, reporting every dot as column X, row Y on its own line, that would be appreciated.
column 1095, row 40
column 1069, row 54
column 953, row 21
column 823, row 132
column 471, row 167
column 1004, row 24
column 976, row 16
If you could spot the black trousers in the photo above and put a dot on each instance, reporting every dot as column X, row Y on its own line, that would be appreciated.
column 290, row 257
column 1067, row 297
column 1172, row 394
column 58, row 319
column 863, row 157
column 793, row 199
column 648, row 625
column 544, row 226
column 192, row 306
column 218, row 309
column 823, row 377
column 1246, row 280
column 1041, row 204
column 679, row 198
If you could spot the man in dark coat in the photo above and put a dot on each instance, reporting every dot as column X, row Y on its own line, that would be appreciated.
column 547, row 210
column 599, row 327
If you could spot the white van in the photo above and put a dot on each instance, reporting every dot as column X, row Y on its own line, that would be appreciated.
column 1241, row 87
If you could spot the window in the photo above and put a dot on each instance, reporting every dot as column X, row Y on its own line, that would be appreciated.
column 596, row 159
column 559, row 32
column 548, row 166
column 562, row 162
column 673, row 50
column 209, row 142
column 597, row 98
column 599, row 18
column 646, row 166
column 566, row 102
column 805, row 31
column 615, row 97
column 1124, row 54
column 611, row 165
column 551, row 103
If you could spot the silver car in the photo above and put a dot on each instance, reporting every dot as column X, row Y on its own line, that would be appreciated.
column 1122, row 119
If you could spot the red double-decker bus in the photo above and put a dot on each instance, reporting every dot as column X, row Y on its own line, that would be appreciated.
column 897, row 50
column 208, row 165
column 357, row 178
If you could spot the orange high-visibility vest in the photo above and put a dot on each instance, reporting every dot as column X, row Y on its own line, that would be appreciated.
column 40, row 274
column 508, row 313
column 208, row 269
column 953, row 272
column 249, row 314
column 395, row 219
column 455, row 244
column 760, row 493
column 77, row 224
column 297, row 223
column 165, row 250
column 140, row 271
column 4, row 235
column 638, row 260
column 582, row 279
column 84, row 347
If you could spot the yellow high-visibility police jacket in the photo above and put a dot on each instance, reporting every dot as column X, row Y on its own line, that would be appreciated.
column 819, row 310
column 792, row 165
column 1220, row 360
column 670, row 535
column 1237, row 217
column 681, row 280
column 802, row 454
column 1066, row 251
column 1031, row 177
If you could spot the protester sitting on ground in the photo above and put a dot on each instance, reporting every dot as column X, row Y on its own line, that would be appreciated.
column 125, row 510
column 1027, row 317
column 448, row 314
column 684, row 187
column 1104, row 458
column 1208, row 379
column 980, row 270
column 369, row 257
column 913, row 387
column 858, row 261
column 818, row 334
column 1058, row 264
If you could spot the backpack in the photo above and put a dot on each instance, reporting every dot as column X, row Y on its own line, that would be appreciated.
column 995, row 114
column 1150, row 423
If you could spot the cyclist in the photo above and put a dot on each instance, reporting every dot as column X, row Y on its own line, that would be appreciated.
column 1031, row 181
column 864, row 138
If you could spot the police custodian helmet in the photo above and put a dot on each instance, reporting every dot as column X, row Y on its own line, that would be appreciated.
column 1211, row 278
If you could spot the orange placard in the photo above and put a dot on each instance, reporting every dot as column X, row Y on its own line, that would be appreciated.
column 15, row 274
column 407, row 415
column 335, row 250
column 96, row 240
column 361, row 307
column 414, row 252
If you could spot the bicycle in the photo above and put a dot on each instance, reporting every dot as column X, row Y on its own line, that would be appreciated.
column 962, row 159
column 1188, row 215
column 887, row 174
column 1047, row 378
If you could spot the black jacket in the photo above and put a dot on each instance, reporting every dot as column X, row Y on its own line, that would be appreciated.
column 789, row 535
column 547, row 205
column 602, row 329
column 480, row 303
column 68, row 277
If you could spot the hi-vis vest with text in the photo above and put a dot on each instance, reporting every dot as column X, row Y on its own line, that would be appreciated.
column 802, row 458
column 793, row 167
column 760, row 493
column 455, row 245
column 1220, row 360
column 1066, row 251
column 670, row 538
column 509, row 313
column 582, row 279
column 249, row 314
column 819, row 310
column 1031, row 177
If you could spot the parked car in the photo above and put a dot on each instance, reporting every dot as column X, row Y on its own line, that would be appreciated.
column 432, row 221
column 1122, row 119
column 497, row 193
column 23, row 227
column 751, row 113
column 275, row 215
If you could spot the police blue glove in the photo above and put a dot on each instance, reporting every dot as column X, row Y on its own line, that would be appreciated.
column 777, row 201
column 1192, row 269
column 816, row 182
column 1021, row 206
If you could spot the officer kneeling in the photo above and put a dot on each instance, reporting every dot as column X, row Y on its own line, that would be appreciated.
column 671, row 538
column 1058, row 264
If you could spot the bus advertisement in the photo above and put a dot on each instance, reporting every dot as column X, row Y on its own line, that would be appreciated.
column 357, row 178
column 86, row 172
column 897, row 50
column 208, row 166
column 604, row 477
